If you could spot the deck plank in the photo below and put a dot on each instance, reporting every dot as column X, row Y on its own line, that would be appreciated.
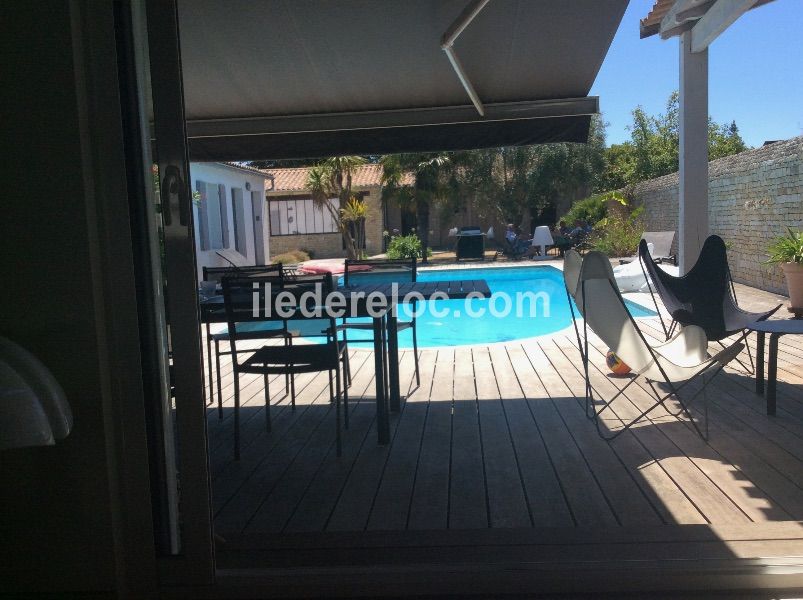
column 467, row 495
column 429, row 508
column 392, row 502
column 583, row 493
column 507, row 501
column 547, row 500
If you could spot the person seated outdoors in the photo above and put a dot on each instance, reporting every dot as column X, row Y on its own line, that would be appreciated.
column 580, row 231
column 560, row 236
column 522, row 243
column 510, row 234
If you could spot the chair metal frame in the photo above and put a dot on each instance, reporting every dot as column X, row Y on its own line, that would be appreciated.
column 285, row 359
column 217, row 274
column 660, row 400
column 402, row 263
column 674, row 323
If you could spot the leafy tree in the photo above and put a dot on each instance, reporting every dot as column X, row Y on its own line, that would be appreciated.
column 513, row 183
column 654, row 146
column 332, row 179
column 724, row 140
column 435, row 182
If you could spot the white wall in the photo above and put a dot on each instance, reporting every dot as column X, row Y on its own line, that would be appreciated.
column 231, row 177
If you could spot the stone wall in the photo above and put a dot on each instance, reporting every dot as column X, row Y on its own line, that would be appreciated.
column 753, row 196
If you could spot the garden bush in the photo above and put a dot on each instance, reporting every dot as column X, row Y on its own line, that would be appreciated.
column 404, row 246
column 292, row 257
column 618, row 235
column 592, row 210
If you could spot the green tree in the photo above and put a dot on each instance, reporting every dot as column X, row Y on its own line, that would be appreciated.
column 332, row 179
column 654, row 146
column 434, row 181
column 724, row 140
column 513, row 183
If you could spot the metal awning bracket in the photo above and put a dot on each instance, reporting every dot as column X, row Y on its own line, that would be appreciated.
column 447, row 45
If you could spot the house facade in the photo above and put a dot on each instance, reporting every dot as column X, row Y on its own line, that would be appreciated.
column 229, row 211
column 296, row 223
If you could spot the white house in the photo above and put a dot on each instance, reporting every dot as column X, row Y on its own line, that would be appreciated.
column 229, row 214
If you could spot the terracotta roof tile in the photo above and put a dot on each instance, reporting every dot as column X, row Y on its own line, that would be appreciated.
column 295, row 179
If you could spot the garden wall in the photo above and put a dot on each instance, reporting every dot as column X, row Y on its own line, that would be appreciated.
column 753, row 196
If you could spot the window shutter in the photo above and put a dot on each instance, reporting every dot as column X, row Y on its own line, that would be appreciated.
column 203, row 219
column 224, row 214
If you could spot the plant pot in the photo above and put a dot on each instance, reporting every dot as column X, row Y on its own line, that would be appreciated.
column 794, row 282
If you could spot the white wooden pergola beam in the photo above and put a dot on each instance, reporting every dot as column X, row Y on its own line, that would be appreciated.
column 682, row 16
column 693, row 159
column 716, row 20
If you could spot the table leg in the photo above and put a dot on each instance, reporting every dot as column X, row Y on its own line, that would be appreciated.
column 772, row 373
column 393, row 362
column 760, row 362
column 382, row 424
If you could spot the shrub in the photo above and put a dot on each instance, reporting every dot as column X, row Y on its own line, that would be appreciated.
column 787, row 248
column 292, row 257
column 592, row 210
column 618, row 235
column 404, row 246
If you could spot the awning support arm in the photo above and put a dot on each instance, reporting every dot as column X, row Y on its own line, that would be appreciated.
column 447, row 43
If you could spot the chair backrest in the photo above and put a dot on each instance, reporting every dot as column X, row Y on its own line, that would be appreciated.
column 591, row 284
column 235, row 259
column 218, row 273
column 701, row 295
column 257, row 298
column 402, row 270
column 661, row 242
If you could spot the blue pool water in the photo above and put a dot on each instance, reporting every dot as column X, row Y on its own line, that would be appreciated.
column 449, row 325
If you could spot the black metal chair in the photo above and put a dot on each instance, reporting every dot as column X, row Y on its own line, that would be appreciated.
column 705, row 296
column 264, row 331
column 241, row 296
column 387, row 271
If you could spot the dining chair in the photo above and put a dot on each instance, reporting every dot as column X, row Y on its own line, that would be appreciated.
column 241, row 296
column 257, row 331
column 360, row 272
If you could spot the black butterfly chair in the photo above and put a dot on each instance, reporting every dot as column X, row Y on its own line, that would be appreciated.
column 705, row 296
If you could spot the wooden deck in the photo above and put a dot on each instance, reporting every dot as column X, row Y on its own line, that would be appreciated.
column 496, row 438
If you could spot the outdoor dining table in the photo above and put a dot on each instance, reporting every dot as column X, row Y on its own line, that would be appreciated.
column 386, row 297
column 386, row 358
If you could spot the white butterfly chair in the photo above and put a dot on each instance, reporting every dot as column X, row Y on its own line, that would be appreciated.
column 676, row 363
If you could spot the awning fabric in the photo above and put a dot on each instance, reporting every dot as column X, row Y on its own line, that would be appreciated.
column 300, row 78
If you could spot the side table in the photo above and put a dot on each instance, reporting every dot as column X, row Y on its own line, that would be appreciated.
column 775, row 328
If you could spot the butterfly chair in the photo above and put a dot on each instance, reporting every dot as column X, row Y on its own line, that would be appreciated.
column 705, row 296
column 255, row 299
column 358, row 272
column 674, row 364
column 257, row 331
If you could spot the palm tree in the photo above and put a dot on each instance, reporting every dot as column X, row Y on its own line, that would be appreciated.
column 332, row 179
column 432, row 172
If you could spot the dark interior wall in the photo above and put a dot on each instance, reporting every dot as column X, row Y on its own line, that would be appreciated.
column 56, row 523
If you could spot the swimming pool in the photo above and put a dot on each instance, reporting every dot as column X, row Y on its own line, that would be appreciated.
column 445, row 322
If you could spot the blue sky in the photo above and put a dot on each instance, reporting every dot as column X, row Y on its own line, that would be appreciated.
column 755, row 73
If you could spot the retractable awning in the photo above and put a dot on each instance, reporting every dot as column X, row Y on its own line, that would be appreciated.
column 300, row 78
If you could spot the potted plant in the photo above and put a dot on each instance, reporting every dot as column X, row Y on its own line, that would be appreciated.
column 787, row 251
